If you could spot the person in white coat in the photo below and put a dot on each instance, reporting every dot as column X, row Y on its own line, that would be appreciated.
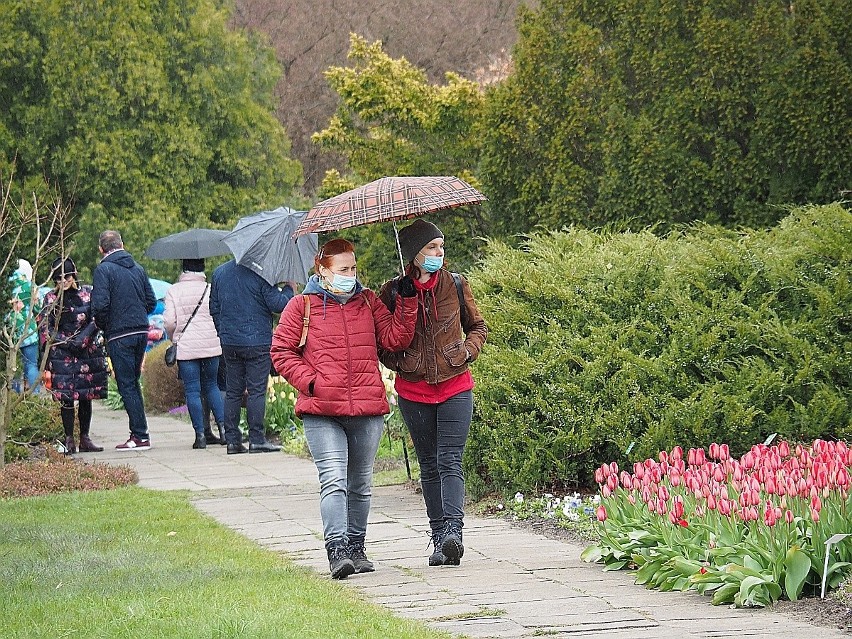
column 198, row 348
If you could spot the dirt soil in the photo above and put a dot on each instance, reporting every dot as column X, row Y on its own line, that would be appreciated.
column 835, row 611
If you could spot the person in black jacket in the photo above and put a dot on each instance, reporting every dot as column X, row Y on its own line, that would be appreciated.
column 76, row 361
column 121, row 301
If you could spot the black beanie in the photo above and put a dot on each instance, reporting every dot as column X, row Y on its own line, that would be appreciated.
column 415, row 236
column 60, row 268
column 194, row 265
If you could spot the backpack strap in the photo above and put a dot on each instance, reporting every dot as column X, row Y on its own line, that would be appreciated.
column 306, row 320
column 462, row 307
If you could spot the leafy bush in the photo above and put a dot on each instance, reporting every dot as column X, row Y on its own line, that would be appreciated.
column 57, row 473
column 161, row 386
column 614, row 346
column 34, row 420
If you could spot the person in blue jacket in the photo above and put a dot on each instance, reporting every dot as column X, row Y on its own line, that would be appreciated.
column 122, row 298
column 242, row 304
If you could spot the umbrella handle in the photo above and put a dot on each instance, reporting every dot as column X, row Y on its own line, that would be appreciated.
column 398, row 250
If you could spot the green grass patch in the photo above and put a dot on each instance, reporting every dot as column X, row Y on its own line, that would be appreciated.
column 138, row 563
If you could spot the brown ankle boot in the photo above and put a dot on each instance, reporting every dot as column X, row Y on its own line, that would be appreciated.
column 88, row 446
column 70, row 445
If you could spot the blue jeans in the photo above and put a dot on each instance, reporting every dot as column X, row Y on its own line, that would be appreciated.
column 29, row 355
column 199, row 375
column 126, row 355
column 439, row 433
column 344, row 449
column 247, row 369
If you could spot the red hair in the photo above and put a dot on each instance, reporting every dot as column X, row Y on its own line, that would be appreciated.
column 329, row 250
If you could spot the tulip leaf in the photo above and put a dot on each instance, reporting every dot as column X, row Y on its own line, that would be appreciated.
column 797, row 565
column 615, row 565
column 646, row 572
column 592, row 554
column 725, row 594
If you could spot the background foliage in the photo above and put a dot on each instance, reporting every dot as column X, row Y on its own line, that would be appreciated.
column 642, row 112
column 615, row 346
column 153, row 117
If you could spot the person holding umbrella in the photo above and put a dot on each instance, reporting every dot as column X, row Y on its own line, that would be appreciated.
column 325, row 345
column 433, row 380
column 189, row 324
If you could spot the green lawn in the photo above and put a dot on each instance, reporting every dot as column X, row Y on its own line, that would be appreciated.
column 140, row 563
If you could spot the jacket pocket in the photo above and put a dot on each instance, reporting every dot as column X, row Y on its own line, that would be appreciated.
column 409, row 361
column 455, row 353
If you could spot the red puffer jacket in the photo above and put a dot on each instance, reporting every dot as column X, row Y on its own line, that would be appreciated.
column 337, row 371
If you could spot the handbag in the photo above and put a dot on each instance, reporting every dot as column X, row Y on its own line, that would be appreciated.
column 81, row 339
column 170, row 356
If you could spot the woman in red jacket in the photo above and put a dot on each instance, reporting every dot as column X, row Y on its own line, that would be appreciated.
column 434, row 383
column 332, row 360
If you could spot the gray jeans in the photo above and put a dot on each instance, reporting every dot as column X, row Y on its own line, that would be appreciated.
column 344, row 449
column 439, row 433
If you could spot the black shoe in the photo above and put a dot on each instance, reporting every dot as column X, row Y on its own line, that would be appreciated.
column 265, row 447
column 210, row 438
column 339, row 563
column 236, row 449
column 222, row 439
column 200, row 441
column 438, row 558
column 358, row 555
column 452, row 546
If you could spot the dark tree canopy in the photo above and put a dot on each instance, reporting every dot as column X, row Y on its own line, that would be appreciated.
column 641, row 112
column 152, row 116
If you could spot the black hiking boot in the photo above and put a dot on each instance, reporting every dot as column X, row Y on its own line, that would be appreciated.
column 451, row 545
column 358, row 555
column 339, row 563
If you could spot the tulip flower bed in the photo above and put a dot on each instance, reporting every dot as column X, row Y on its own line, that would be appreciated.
column 746, row 531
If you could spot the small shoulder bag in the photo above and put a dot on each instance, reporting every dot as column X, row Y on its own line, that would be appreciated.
column 171, row 352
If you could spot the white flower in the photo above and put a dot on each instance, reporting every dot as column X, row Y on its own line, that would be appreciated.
column 596, row 499
column 519, row 498
column 572, row 515
column 499, row 506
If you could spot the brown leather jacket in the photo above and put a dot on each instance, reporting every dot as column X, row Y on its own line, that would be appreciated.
column 442, row 348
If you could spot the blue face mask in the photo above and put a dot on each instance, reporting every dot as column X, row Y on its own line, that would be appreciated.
column 342, row 283
column 432, row 263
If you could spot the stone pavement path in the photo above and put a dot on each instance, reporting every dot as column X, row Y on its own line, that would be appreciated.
column 511, row 583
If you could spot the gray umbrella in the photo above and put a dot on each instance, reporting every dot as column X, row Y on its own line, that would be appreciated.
column 263, row 242
column 189, row 245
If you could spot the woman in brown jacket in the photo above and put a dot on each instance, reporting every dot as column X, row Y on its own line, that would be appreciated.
column 434, row 383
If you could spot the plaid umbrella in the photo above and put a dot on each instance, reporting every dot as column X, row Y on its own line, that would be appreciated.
column 389, row 198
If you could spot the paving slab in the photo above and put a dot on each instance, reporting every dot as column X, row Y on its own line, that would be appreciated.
column 512, row 583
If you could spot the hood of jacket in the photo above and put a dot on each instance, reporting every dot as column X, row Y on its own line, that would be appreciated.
column 121, row 258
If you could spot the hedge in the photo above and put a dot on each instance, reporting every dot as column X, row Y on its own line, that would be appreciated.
column 616, row 345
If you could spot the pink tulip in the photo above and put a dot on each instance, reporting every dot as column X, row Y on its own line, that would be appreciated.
column 677, row 453
column 601, row 513
column 691, row 457
column 815, row 515
column 724, row 452
column 719, row 475
column 714, row 450
column 711, row 502
column 605, row 491
column 784, row 449
column 788, row 516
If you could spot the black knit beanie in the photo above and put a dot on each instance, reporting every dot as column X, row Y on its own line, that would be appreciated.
column 193, row 265
column 415, row 236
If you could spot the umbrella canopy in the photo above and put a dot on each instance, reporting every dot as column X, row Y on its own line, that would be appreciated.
column 389, row 198
column 160, row 287
column 189, row 245
column 264, row 243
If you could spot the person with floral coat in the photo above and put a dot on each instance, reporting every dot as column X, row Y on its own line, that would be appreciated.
column 76, row 359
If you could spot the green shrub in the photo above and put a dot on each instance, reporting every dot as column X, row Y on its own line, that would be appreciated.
column 615, row 346
column 34, row 420
column 161, row 387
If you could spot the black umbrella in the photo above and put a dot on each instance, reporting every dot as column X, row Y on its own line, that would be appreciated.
column 263, row 243
column 189, row 245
